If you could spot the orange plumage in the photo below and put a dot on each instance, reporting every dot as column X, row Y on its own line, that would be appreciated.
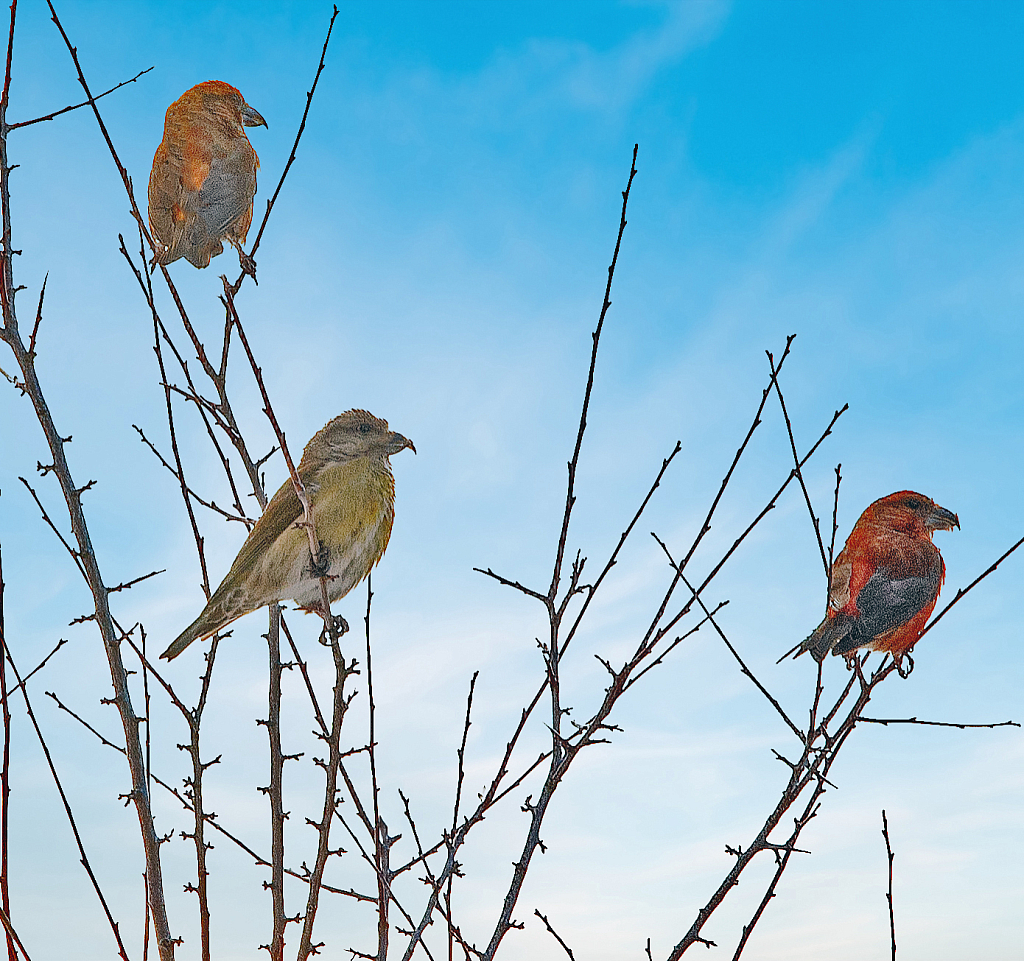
column 203, row 180
column 886, row 580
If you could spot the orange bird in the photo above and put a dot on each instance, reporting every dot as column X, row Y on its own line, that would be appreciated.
column 886, row 580
column 204, row 175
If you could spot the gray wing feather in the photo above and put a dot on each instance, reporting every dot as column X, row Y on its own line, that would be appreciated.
column 221, row 201
column 885, row 604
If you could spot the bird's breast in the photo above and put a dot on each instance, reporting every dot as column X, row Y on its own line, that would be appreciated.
column 353, row 509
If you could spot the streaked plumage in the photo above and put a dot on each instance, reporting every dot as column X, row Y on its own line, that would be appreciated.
column 203, row 180
column 886, row 580
column 347, row 476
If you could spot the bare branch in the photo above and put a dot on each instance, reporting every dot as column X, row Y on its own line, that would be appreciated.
column 84, row 103
column 732, row 650
column 64, row 799
column 964, row 590
column 555, row 934
column 570, row 496
column 796, row 461
column 888, row 895
column 39, row 318
column 913, row 720
column 129, row 584
column 295, row 146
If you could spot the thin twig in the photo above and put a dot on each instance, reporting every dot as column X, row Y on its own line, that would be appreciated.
column 39, row 666
column 84, row 103
column 810, row 770
column 561, row 754
column 570, row 495
column 122, row 953
column 964, row 590
column 913, row 720
column 732, row 650
column 238, row 842
column 5, row 919
column 888, row 894
column 125, row 585
column 555, row 934
column 383, row 879
column 295, row 146
column 796, row 460
column 835, row 523
column 5, row 775
column 308, row 520
column 750, row 527
column 458, row 799
column 39, row 317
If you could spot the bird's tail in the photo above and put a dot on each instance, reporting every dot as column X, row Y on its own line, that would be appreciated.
column 194, row 631
column 822, row 639
column 215, row 617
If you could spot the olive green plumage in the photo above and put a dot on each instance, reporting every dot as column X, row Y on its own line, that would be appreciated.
column 347, row 476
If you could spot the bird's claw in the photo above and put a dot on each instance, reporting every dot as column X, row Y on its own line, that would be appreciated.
column 246, row 262
column 904, row 673
column 320, row 566
column 340, row 626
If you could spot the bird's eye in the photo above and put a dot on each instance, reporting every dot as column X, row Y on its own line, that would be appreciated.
column 914, row 504
column 365, row 428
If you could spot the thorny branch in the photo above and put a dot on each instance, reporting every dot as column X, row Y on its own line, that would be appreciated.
column 888, row 894
column 86, row 555
column 6, row 653
column 562, row 753
column 209, row 816
column 224, row 418
column 5, row 779
column 810, row 771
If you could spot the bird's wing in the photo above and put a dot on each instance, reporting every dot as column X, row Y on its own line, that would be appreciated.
column 885, row 603
column 283, row 510
column 839, row 583
column 226, row 194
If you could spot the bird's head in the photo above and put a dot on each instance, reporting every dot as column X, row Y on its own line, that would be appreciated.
column 356, row 433
column 911, row 513
column 221, row 99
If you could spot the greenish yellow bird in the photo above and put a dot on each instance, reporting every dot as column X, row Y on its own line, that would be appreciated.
column 347, row 476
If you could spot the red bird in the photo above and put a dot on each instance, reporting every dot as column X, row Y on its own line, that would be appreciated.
column 203, row 180
column 886, row 580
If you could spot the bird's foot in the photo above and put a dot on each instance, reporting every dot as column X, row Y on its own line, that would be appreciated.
column 246, row 262
column 340, row 626
column 898, row 660
column 320, row 566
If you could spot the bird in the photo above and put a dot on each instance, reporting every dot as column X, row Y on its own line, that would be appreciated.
column 886, row 580
column 203, row 179
column 347, row 476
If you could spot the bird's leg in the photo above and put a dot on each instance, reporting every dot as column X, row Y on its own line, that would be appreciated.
column 320, row 566
column 246, row 262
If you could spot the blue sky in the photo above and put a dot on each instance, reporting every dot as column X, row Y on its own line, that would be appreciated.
column 848, row 172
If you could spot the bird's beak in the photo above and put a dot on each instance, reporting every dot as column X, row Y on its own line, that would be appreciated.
column 941, row 519
column 250, row 118
column 397, row 442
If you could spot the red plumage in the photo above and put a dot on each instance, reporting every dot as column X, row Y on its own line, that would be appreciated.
column 886, row 580
column 203, row 180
